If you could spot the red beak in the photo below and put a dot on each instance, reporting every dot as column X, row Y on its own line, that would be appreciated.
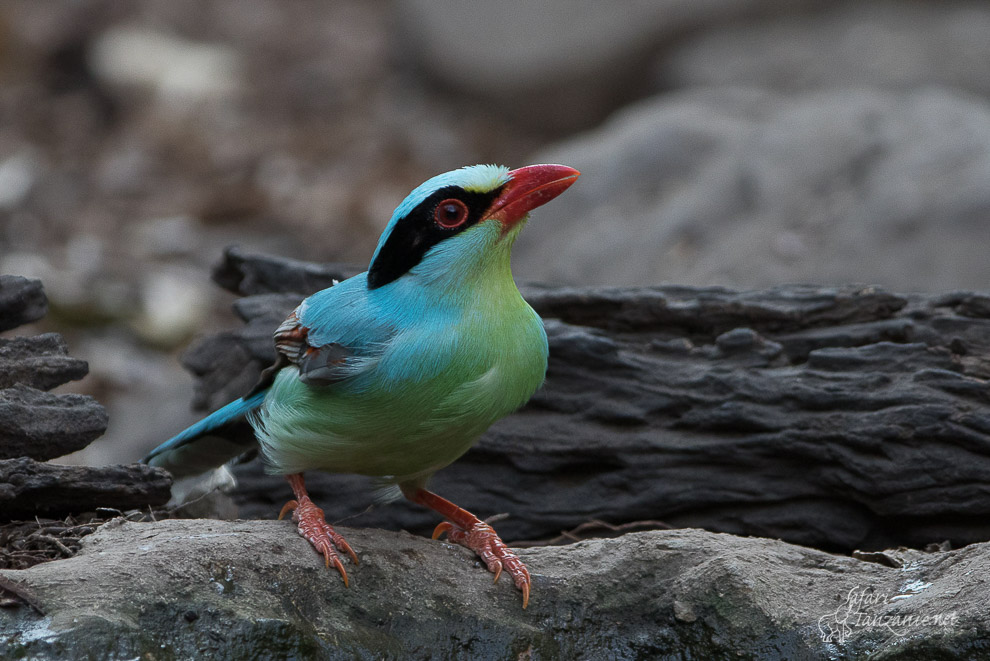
column 530, row 187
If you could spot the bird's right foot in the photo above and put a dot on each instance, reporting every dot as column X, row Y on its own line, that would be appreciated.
column 313, row 526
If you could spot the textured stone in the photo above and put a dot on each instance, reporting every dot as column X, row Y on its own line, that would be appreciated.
column 44, row 426
column 41, row 362
column 836, row 417
column 37, row 425
column 29, row 488
column 21, row 301
column 254, row 589
column 267, row 274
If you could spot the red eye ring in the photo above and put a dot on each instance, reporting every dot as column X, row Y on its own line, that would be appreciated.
column 450, row 213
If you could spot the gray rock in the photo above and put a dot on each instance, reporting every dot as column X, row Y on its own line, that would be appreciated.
column 41, row 362
column 895, row 45
column 840, row 418
column 560, row 63
column 44, row 426
column 233, row 590
column 36, row 425
column 21, row 301
column 266, row 274
column 29, row 488
column 755, row 188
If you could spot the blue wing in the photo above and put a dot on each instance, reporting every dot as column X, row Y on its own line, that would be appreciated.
column 332, row 336
column 335, row 334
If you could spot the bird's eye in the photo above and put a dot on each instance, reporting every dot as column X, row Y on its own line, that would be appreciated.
column 450, row 213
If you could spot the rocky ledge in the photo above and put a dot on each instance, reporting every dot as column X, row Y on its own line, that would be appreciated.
column 37, row 426
column 254, row 589
column 845, row 418
column 841, row 418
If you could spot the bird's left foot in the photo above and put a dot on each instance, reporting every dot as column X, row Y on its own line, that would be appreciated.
column 468, row 530
column 483, row 540
column 314, row 527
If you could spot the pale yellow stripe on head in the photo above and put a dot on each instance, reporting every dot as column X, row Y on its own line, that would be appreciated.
column 482, row 178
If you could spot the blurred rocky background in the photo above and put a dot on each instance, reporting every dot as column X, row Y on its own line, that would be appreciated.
column 738, row 142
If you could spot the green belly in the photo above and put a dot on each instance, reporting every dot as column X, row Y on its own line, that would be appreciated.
column 403, row 430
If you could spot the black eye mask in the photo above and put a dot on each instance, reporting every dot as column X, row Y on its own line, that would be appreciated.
column 420, row 230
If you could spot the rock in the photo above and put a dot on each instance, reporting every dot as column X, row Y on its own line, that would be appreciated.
column 248, row 273
column 41, row 362
column 560, row 73
column 29, row 488
column 226, row 590
column 21, row 301
column 755, row 188
column 884, row 44
column 835, row 417
column 44, row 426
column 36, row 425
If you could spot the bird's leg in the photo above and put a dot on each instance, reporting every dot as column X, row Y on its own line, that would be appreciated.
column 468, row 530
column 314, row 527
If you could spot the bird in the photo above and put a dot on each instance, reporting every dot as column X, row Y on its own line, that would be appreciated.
column 396, row 372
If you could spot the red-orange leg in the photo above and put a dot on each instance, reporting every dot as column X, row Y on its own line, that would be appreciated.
column 468, row 530
column 314, row 527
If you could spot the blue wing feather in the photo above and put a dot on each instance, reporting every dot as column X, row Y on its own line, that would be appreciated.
column 182, row 456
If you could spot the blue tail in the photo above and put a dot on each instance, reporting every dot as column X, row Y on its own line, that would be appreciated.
column 204, row 445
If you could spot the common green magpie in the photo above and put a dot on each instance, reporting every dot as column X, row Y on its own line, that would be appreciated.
column 396, row 372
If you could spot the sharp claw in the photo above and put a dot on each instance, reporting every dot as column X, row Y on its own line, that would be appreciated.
column 466, row 529
column 312, row 524
column 442, row 527
column 350, row 552
column 288, row 507
column 340, row 567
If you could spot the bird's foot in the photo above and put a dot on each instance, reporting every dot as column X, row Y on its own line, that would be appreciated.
column 313, row 526
column 483, row 540
column 468, row 530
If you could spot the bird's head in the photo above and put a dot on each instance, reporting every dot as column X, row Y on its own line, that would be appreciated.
column 462, row 213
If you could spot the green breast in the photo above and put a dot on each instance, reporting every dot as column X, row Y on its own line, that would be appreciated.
column 433, row 392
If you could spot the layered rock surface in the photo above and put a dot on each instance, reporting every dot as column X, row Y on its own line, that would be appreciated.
column 836, row 417
column 211, row 589
column 36, row 425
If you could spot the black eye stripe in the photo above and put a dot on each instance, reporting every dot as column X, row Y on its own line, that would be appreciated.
column 413, row 235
